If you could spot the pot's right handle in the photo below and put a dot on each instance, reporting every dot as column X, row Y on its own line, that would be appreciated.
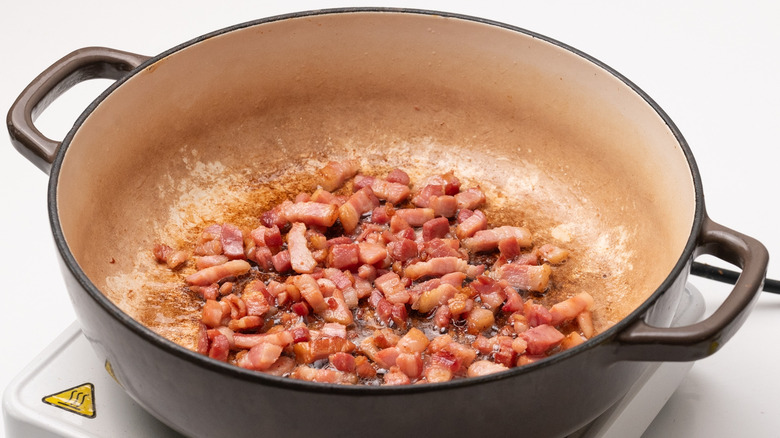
column 78, row 66
column 641, row 341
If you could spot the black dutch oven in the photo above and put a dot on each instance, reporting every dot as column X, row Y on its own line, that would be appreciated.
column 564, row 145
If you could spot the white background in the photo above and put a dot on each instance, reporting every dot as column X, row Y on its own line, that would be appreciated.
column 713, row 66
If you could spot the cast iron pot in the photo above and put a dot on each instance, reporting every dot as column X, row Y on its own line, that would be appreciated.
column 562, row 143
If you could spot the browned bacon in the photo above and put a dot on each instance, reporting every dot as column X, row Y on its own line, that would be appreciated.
column 301, row 258
column 214, row 274
column 525, row 277
column 336, row 173
column 353, row 296
column 487, row 240
column 470, row 198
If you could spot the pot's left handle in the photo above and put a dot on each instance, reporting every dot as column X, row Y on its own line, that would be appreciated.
column 641, row 341
column 78, row 66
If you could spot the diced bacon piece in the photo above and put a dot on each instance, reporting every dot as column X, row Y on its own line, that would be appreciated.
column 470, row 198
column 494, row 299
column 364, row 368
column 414, row 341
column 536, row 314
column 392, row 192
column 585, row 322
column 337, row 311
column 479, row 320
column 173, row 259
column 371, row 253
column 435, row 228
column 415, row 217
column 402, row 250
column 300, row 333
column 519, row 345
column 301, row 257
column 519, row 322
column 245, row 323
column 386, row 357
column 323, row 375
column 445, row 205
column 553, row 254
column 282, row 261
column 336, row 173
column 321, row 348
column 437, row 267
column 570, row 308
column 451, row 183
column 442, row 316
column 361, row 181
column 215, row 274
column 262, row 356
column 219, row 348
column 399, row 314
column 334, row 329
column 263, row 256
column 203, row 340
column 324, row 197
column 281, row 338
column 437, row 374
column 361, row 202
column 310, row 291
column 398, row 223
column 398, row 176
column 525, row 277
column 431, row 299
column 484, row 345
column 396, row 377
column 438, row 247
column 283, row 366
column 212, row 314
column 232, row 240
column 468, row 227
column 274, row 217
column 311, row 213
column 542, row 338
column 504, row 352
column 423, row 197
column 460, row 304
column 410, row 364
column 514, row 302
column 255, row 296
column 344, row 256
column 381, row 214
column 487, row 240
column 510, row 248
column 204, row 262
column 237, row 306
column 484, row 367
column 209, row 242
column 392, row 287
column 344, row 362
column 463, row 354
column 267, row 236
column 572, row 340
column 302, row 197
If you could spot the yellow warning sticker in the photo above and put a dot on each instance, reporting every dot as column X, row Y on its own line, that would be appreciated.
column 79, row 400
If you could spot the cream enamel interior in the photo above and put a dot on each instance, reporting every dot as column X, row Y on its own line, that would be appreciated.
column 223, row 128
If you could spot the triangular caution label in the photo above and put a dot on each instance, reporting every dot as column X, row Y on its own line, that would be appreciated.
column 79, row 400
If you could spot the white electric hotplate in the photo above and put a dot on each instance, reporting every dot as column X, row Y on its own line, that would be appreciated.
column 67, row 392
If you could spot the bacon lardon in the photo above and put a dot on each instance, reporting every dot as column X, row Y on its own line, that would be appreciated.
column 338, row 288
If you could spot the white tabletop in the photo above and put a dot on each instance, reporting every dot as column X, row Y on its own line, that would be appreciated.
column 713, row 66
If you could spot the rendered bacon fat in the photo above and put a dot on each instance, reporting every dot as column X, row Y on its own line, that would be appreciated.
column 378, row 282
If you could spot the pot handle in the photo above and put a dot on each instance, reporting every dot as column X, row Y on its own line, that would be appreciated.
column 641, row 341
column 78, row 66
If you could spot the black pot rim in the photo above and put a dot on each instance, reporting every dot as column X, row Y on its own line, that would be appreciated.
column 260, row 378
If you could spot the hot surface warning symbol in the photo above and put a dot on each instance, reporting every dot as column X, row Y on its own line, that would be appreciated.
column 79, row 400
